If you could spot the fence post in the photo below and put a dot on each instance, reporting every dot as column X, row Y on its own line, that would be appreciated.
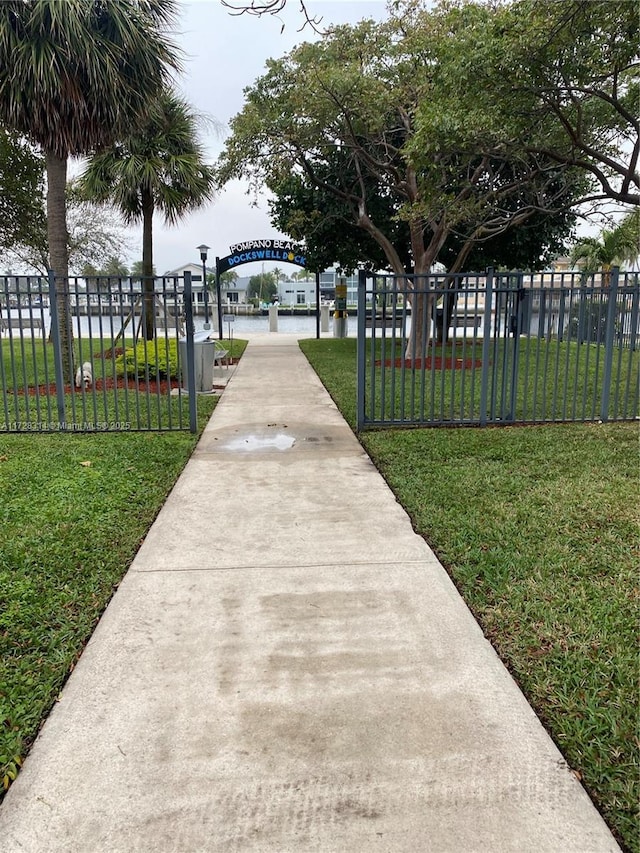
column 561, row 308
column 361, row 344
column 633, row 320
column 190, row 365
column 57, row 350
column 612, row 306
column 517, row 325
column 486, row 346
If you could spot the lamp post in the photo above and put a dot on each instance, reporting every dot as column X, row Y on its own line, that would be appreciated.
column 205, row 290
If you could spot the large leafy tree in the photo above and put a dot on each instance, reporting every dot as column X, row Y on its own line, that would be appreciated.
column 74, row 76
column 325, row 225
column 21, row 191
column 583, row 67
column 94, row 235
column 569, row 70
column 341, row 115
column 158, row 167
column 559, row 80
column 538, row 239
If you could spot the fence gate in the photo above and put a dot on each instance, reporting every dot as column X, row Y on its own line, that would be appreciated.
column 497, row 348
column 96, row 355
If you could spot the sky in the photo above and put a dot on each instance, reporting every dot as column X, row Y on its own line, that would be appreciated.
column 224, row 55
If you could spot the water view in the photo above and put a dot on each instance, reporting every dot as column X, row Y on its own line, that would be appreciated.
column 108, row 326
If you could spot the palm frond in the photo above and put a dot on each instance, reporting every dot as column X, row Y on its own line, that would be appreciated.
column 75, row 75
column 163, row 160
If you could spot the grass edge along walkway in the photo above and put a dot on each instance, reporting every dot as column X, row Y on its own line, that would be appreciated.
column 537, row 526
column 75, row 508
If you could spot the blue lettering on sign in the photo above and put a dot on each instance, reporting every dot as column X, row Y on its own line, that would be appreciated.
column 278, row 254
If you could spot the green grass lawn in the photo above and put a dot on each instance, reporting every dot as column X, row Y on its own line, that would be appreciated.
column 74, row 511
column 549, row 381
column 110, row 402
column 538, row 527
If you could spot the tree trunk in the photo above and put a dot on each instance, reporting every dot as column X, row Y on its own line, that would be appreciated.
column 58, row 252
column 445, row 316
column 420, row 333
column 149, row 308
column 443, row 324
column 422, row 302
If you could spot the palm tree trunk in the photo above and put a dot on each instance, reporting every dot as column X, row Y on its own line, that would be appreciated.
column 58, row 251
column 147, row 266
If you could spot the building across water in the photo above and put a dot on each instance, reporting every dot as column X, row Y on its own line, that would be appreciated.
column 293, row 290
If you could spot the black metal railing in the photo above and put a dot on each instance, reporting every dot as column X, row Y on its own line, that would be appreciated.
column 497, row 348
column 98, row 354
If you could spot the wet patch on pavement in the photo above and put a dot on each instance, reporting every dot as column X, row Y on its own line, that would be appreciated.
column 249, row 442
column 277, row 438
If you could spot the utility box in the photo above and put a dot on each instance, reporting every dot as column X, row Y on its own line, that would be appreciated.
column 203, row 358
column 324, row 318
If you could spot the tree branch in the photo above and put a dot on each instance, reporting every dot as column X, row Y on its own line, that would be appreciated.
column 625, row 197
column 274, row 8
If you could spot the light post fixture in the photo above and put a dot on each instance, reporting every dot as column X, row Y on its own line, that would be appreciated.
column 205, row 290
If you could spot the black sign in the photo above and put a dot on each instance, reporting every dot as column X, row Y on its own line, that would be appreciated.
column 282, row 251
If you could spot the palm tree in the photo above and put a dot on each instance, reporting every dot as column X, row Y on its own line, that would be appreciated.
column 115, row 267
column 612, row 247
column 159, row 167
column 75, row 75
column 137, row 271
column 630, row 237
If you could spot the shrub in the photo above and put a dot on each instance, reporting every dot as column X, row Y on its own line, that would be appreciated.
column 157, row 359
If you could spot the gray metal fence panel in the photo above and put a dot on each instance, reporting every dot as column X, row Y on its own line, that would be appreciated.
column 497, row 348
column 122, row 368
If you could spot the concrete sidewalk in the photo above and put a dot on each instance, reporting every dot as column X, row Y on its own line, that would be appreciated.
column 286, row 667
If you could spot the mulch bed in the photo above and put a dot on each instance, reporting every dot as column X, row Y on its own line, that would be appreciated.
column 162, row 387
column 109, row 384
column 437, row 363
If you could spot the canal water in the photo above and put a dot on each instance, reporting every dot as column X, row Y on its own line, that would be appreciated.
column 109, row 326
column 303, row 324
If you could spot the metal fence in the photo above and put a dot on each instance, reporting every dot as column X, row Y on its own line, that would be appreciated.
column 497, row 348
column 94, row 355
